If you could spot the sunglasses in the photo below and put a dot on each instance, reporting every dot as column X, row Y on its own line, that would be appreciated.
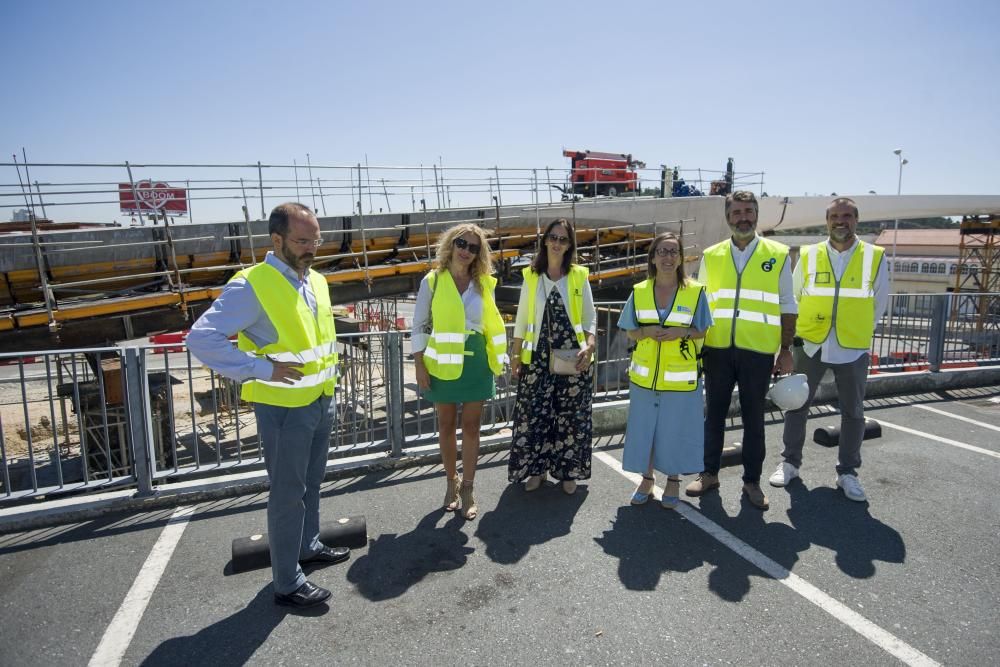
column 667, row 252
column 462, row 244
column 556, row 238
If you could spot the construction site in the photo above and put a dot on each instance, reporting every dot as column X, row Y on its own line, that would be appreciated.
column 136, row 263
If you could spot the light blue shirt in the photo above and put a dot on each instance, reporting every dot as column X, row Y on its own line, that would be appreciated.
column 238, row 310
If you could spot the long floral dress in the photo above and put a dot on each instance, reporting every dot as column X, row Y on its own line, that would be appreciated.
column 552, row 415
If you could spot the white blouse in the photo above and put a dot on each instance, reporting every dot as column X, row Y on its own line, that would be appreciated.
column 545, row 285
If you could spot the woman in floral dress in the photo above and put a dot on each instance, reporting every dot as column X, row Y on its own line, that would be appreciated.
column 552, row 416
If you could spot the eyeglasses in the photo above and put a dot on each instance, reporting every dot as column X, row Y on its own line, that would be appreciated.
column 556, row 238
column 668, row 252
column 462, row 244
column 315, row 243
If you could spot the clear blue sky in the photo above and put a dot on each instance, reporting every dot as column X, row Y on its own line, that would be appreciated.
column 815, row 94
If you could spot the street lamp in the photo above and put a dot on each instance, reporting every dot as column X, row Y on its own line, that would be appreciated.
column 895, row 227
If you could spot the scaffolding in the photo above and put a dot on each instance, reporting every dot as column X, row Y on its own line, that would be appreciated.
column 977, row 280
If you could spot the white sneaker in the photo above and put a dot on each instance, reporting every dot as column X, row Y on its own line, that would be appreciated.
column 852, row 487
column 785, row 473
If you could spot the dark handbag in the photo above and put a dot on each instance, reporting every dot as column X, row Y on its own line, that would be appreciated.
column 561, row 362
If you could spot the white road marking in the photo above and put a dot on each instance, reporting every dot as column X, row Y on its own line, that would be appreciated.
column 122, row 628
column 959, row 417
column 870, row 631
column 953, row 443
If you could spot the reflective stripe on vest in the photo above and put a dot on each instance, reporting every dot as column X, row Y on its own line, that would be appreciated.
column 745, row 305
column 445, row 353
column 303, row 338
column 575, row 281
column 671, row 365
column 322, row 377
column 846, row 305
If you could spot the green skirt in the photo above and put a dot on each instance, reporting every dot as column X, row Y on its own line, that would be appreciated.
column 476, row 381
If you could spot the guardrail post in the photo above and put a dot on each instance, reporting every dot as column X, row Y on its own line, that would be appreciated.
column 140, row 419
column 394, row 393
column 939, row 322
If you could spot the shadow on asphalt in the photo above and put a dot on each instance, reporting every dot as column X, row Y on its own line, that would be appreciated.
column 824, row 517
column 651, row 542
column 394, row 563
column 820, row 516
column 103, row 526
column 509, row 538
column 778, row 541
column 231, row 641
column 120, row 523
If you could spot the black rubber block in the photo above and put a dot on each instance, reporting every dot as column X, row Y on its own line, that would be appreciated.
column 732, row 455
column 829, row 436
column 254, row 552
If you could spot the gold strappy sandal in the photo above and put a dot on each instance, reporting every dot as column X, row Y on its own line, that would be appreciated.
column 469, row 509
column 451, row 495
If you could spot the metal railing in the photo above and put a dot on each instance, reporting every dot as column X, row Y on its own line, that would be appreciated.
column 221, row 192
column 935, row 331
column 99, row 418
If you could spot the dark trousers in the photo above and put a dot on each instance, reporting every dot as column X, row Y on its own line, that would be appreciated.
column 724, row 370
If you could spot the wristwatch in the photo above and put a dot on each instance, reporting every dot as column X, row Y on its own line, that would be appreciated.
column 786, row 348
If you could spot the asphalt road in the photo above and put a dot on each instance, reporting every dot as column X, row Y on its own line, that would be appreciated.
column 913, row 576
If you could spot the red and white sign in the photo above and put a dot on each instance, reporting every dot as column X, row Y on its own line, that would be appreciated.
column 153, row 197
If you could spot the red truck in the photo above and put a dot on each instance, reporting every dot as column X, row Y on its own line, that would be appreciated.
column 594, row 173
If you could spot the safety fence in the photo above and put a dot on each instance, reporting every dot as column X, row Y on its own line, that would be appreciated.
column 99, row 418
column 146, row 193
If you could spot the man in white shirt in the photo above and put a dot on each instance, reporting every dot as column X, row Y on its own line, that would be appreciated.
column 842, row 289
column 748, row 283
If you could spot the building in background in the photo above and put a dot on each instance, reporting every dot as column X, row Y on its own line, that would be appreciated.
column 927, row 260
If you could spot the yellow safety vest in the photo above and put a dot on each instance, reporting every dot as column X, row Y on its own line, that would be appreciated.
column 445, row 352
column 575, row 282
column 308, row 339
column 744, row 304
column 846, row 305
column 672, row 365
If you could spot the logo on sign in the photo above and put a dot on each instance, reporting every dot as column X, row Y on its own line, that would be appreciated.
column 152, row 196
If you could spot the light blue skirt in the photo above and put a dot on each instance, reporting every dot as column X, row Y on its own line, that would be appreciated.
column 671, row 424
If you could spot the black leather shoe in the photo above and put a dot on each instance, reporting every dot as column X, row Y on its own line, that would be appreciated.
column 328, row 556
column 306, row 595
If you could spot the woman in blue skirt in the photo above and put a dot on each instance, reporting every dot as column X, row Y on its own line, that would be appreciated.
column 666, row 316
column 459, row 344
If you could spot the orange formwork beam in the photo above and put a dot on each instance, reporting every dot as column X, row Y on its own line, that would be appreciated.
column 124, row 305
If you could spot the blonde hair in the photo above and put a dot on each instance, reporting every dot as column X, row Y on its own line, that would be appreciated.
column 481, row 266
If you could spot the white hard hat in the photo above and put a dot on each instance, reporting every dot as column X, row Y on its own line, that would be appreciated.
column 791, row 392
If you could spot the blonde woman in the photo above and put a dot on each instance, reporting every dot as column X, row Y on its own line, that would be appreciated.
column 459, row 344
